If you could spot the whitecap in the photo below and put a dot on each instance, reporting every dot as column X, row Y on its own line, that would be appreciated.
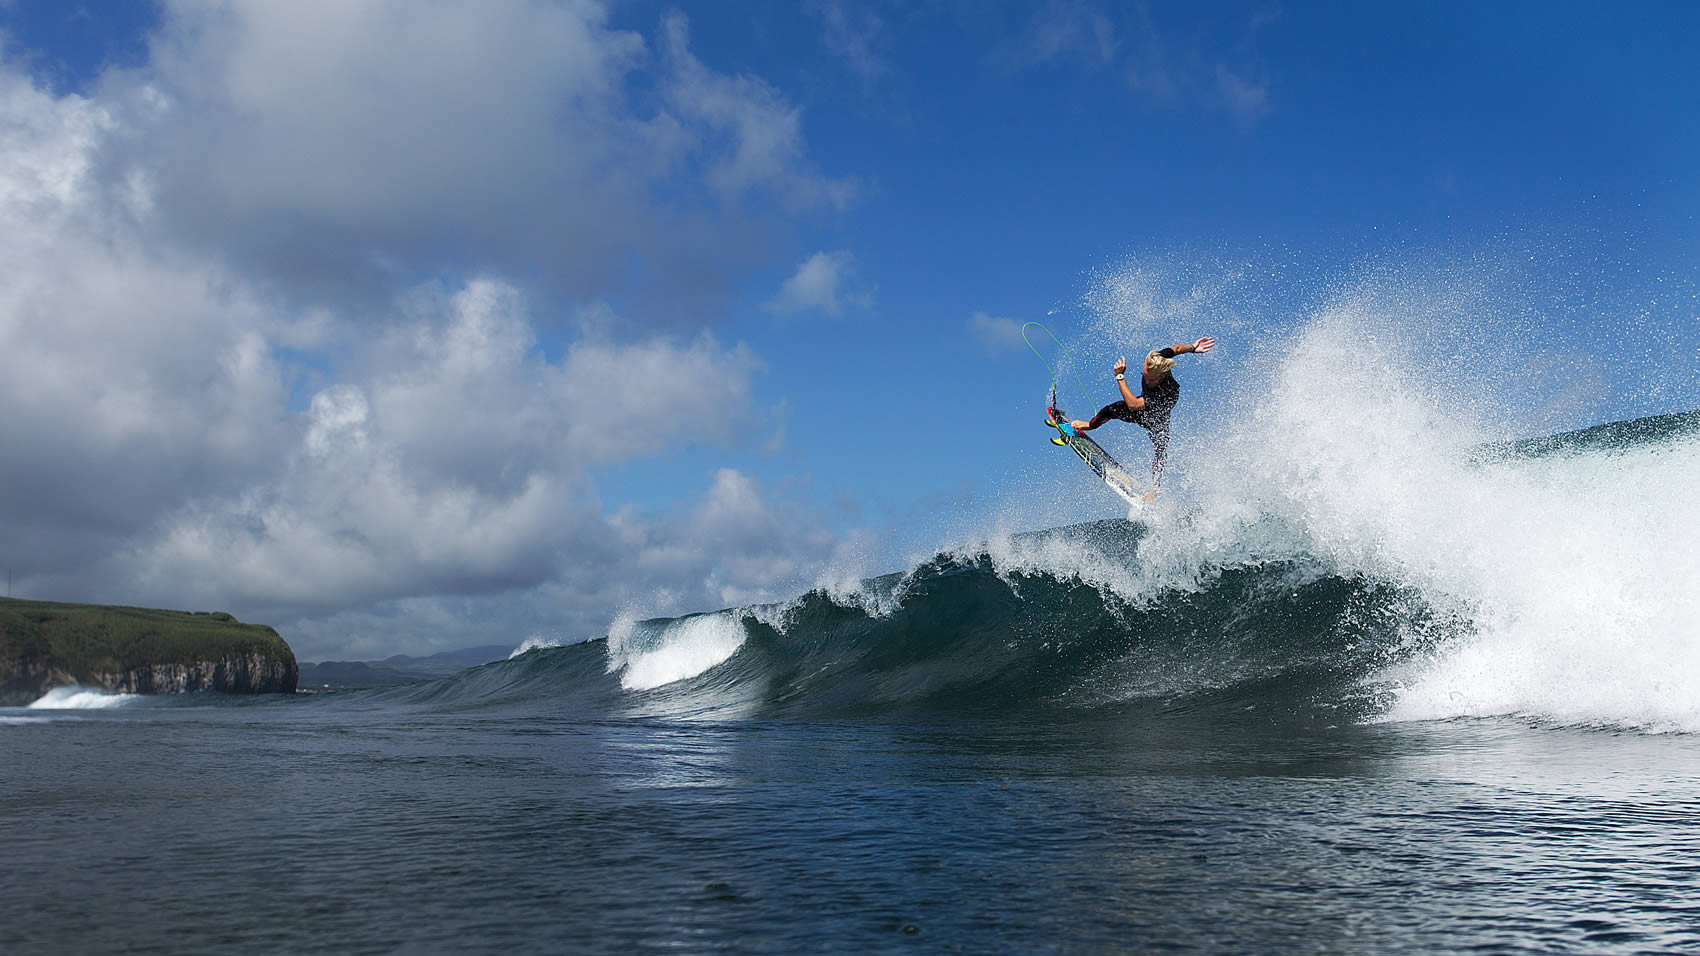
column 80, row 698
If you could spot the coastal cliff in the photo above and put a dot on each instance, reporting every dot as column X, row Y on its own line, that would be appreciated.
column 132, row 650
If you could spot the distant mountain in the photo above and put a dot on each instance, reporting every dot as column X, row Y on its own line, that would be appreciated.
column 452, row 662
column 397, row 669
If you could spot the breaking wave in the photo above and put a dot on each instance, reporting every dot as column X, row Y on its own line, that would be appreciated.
column 80, row 698
column 1546, row 579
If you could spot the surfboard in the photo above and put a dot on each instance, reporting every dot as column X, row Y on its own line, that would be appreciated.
column 1105, row 466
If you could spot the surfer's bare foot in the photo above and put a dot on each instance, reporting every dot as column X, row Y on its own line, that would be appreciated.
column 1150, row 496
column 1081, row 426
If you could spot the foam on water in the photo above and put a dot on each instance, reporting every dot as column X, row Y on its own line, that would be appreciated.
column 649, row 654
column 1579, row 572
column 1592, row 589
column 80, row 698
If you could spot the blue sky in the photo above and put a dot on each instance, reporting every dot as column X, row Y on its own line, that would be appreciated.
column 413, row 327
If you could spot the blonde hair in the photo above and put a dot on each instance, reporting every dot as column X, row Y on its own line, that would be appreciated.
column 1155, row 362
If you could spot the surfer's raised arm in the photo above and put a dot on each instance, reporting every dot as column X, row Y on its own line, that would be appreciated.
column 1133, row 401
column 1202, row 345
column 1155, row 370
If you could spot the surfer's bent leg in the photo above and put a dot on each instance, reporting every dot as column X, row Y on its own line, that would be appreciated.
column 1116, row 410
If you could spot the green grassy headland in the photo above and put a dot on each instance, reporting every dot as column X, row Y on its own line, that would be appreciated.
column 86, row 639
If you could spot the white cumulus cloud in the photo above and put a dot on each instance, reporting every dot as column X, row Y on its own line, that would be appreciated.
column 996, row 334
column 338, row 146
column 822, row 282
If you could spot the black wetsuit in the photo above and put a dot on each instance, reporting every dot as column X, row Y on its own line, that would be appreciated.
column 1160, row 400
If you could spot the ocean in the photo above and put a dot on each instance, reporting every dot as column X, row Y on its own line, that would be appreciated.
column 1428, row 706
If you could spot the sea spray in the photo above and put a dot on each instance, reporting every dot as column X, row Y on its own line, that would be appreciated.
column 534, row 643
column 1578, row 574
column 1597, row 593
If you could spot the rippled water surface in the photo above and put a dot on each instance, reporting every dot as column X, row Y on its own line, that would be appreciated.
column 362, row 825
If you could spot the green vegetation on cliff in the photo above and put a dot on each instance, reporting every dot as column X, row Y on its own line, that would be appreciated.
column 95, row 644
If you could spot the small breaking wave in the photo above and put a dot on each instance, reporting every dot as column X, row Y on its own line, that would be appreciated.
column 80, row 698
column 534, row 643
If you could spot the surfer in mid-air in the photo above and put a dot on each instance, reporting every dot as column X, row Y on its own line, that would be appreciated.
column 1158, row 393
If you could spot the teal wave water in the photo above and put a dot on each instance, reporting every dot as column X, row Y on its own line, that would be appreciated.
column 958, row 637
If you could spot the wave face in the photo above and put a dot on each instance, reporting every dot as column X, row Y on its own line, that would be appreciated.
column 963, row 636
column 1532, row 579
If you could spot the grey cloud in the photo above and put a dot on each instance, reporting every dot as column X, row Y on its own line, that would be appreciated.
column 460, row 467
column 376, row 516
column 853, row 37
column 822, row 282
column 758, row 134
column 1244, row 98
column 1071, row 31
column 996, row 334
column 1158, row 63
column 341, row 148
column 128, row 376
column 741, row 543
column 762, row 549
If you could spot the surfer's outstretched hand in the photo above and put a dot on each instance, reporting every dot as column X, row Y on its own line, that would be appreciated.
column 1204, row 344
column 1120, row 367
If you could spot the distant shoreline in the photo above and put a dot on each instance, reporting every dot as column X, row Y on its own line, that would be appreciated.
column 334, row 675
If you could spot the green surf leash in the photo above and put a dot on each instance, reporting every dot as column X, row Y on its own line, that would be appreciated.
column 1083, row 392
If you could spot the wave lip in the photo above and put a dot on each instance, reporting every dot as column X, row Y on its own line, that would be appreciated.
column 649, row 654
column 80, row 698
column 534, row 643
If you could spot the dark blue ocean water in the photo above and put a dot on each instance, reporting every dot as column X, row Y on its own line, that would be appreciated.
column 352, row 824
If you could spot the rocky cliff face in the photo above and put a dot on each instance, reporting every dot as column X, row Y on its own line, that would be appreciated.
column 251, row 673
column 27, row 679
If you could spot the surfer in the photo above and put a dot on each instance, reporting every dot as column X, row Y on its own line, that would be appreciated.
column 1158, row 393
